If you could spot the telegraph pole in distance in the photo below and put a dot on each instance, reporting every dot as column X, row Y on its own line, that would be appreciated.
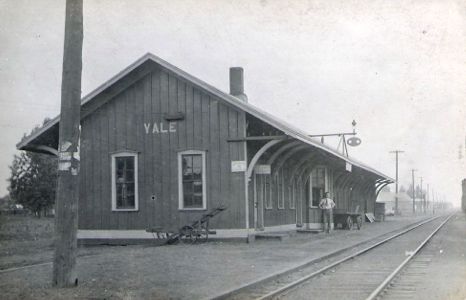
column 422, row 197
column 66, row 218
column 396, row 183
column 433, row 202
column 427, row 198
column 414, row 192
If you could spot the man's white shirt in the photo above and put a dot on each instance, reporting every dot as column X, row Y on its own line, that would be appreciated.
column 326, row 203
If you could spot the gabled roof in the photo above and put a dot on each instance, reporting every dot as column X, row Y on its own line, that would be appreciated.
column 285, row 127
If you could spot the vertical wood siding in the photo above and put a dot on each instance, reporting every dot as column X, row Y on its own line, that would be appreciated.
column 118, row 125
column 302, row 213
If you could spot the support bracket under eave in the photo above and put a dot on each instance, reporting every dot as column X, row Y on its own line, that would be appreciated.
column 41, row 149
column 381, row 186
column 258, row 155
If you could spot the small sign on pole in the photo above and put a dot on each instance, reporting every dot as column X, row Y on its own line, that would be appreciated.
column 263, row 169
column 349, row 167
column 238, row 166
column 354, row 141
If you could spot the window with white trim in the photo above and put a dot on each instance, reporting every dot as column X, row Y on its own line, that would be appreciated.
column 125, row 181
column 292, row 194
column 192, row 180
column 268, row 192
column 281, row 191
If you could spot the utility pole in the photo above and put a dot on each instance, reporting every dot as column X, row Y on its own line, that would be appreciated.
column 433, row 202
column 414, row 192
column 422, row 197
column 427, row 198
column 66, row 207
column 396, row 183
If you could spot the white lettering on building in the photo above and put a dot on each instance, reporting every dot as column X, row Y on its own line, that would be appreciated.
column 161, row 129
column 147, row 127
column 157, row 128
column 172, row 127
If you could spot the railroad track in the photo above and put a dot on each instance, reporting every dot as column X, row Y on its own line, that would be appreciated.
column 361, row 273
column 405, row 285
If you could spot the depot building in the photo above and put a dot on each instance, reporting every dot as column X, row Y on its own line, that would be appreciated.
column 160, row 148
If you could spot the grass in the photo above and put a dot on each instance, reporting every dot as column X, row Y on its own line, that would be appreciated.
column 25, row 240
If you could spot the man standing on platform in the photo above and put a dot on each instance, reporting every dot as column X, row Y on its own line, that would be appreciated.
column 327, row 205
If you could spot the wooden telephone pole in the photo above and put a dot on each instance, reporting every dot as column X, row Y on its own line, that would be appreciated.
column 414, row 192
column 396, row 183
column 66, row 207
column 422, row 197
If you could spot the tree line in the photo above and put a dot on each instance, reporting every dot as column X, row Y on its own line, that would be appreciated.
column 33, row 180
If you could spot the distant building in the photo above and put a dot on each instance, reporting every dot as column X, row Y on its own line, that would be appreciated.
column 405, row 202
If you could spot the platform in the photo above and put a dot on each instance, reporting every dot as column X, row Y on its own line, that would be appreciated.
column 279, row 236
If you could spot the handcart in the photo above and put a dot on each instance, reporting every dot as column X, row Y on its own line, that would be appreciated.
column 347, row 219
column 197, row 231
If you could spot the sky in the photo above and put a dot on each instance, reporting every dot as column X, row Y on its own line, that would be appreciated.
column 396, row 67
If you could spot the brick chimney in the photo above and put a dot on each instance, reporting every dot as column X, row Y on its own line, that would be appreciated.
column 237, row 83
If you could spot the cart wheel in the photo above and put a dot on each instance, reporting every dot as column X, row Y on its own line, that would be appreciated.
column 174, row 238
column 162, row 235
column 349, row 223
column 188, row 235
column 192, row 237
column 203, row 236
column 359, row 222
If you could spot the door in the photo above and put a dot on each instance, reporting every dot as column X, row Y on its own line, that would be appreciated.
column 261, row 190
column 314, row 189
column 306, row 204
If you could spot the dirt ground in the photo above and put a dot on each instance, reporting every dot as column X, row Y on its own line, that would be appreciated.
column 167, row 272
column 445, row 277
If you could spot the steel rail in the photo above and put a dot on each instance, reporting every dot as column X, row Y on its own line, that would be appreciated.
column 390, row 277
column 334, row 264
column 24, row 267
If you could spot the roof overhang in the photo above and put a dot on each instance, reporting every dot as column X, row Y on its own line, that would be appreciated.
column 32, row 141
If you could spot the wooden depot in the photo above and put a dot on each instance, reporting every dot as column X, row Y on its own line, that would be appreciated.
column 160, row 148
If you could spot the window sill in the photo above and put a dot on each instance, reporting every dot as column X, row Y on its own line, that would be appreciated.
column 191, row 209
column 125, row 209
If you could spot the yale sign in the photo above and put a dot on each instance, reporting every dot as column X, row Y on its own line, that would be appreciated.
column 159, row 128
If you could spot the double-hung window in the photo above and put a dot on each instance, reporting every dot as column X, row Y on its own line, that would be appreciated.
column 192, row 180
column 292, row 193
column 267, row 191
column 279, row 180
column 125, row 181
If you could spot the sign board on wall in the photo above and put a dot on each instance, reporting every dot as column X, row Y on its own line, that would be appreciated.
column 348, row 166
column 160, row 128
column 262, row 169
column 238, row 166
